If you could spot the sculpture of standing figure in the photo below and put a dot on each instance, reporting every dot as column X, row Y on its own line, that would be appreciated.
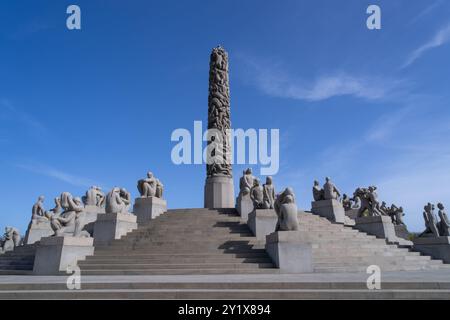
column 317, row 191
column 94, row 197
column 444, row 224
column 430, row 222
column 269, row 193
column 330, row 191
column 11, row 239
column 256, row 194
column 287, row 211
column 147, row 186
column 114, row 202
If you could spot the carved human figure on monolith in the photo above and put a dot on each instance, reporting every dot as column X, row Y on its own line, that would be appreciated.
column 94, row 197
column 71, row 221
column 11, row 239
column 330, row 191
column 268, row 193
column 286, row 210
column 317, row 191
column 431, row 228
column 444, row 223
column 257, row 195
column 147, row 187
column 126, row 198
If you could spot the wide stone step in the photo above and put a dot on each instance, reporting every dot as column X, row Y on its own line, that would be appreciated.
column 169, row 260
column 157, row 266
column 138, row 271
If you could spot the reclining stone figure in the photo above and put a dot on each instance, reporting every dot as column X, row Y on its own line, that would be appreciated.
column 268, row 194
column 71, row 221
column 287, row 211
column 11, row 239
column 150, row 187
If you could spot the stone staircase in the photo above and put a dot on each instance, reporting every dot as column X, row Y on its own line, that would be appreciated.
column 337, row 248
column 18, row 262
column 183, row 241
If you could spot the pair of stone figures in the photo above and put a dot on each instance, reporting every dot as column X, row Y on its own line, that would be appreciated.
column 11, row 239
column 67, row 217
column 265, row 198
column 433, row 227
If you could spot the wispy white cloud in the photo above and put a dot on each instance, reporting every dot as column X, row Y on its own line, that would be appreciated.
column 23, row 117
column 274, row 81
column 58, row 174
column 441, row 37
column 427, row 10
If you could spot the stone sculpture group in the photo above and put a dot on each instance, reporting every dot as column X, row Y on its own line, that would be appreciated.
column 433, row 227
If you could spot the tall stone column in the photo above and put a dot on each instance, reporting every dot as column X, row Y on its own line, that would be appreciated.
column 219, row 189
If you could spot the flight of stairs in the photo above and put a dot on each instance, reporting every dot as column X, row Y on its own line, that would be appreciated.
column 18, row 262
column 337, row 248
column 183, row 241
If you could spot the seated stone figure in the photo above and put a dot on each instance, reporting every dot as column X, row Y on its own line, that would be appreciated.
column 11, row 239
column 287, row 211
column 268, row 194
column 150, row 187
column 246, row 182
column 330, row 191
column 115, row 203
column 94, row 197
column 317, row 192
column 431, row 228
column 71, row 221
column 444, row 224
column 257, row 195
column 38, row 212
column 126, row 198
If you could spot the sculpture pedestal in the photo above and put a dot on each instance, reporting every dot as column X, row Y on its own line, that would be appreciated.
column 436, row 247
column 38, row 230
column 330, row 209
column 401, row 231
column 290, row 252
column 111, row 226
column 147, row 209
column 244, row 206
column 262, row 222
column 219, row 192
column 381, row 227
column 55, row 254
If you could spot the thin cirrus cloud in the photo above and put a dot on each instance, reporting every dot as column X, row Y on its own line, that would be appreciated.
column 23, row 117
column 275, row 82
column 441, row 37
column 51, row 172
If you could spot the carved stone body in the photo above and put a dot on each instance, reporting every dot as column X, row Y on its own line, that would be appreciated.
column 150, row 187
column 11, row 239
column 330, row 191
column 94, row 197
column 431, row 228
column 257, row 195
column 444, row 223
column 317, row 192
column 71, row 221
column 268, row 194
column 287, row 211
column 219, row 163
column 115, row 203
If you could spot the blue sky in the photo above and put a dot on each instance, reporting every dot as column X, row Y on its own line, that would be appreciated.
column 98, row 105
